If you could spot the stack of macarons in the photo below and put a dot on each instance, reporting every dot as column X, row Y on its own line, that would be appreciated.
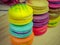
column 54, row 12
column 41, row 16
column 20, row 28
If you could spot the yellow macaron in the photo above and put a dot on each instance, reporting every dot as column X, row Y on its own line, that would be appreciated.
column 20, row 14
column 54, row 22
column 39, row 7
column 20, row 22
column 20, row 11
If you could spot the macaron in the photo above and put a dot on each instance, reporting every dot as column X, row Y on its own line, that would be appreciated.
column 40, row 18
column 54, row 0
column 21, row 22
column 53, row 16
column 20, row 13
column 21, row 31
column 22, row 41
column 40, row 31
column 54, row 22
column 40, row 24
column 54, row 3
column 39, row 7
column 55, row 10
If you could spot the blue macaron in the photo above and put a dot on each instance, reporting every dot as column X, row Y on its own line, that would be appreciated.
column 21, row 31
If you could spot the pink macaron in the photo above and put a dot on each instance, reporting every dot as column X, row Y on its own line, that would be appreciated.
column 54, row 5
column 54, row 0
column 40, row 31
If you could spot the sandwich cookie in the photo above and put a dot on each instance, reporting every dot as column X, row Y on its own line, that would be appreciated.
column 54, row 3
column 54, row 10
column 40, row 24
column 40, row 31
column 54, row 22
column 20, row 14
column 39, row 7
column 54, row 0
column 53, row 16
column 21, row 31
column 22, row 41
column 40, row 18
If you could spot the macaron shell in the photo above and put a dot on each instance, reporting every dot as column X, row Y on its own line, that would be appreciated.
column 22, row 41
column 54, row 25
column 54, row 10
column 20, row 35
column 39, row 7
column 35, row 3
column 40, row 31
column 41, row 11
column 54, row 5
column 54, row 0
column 53, row 16
column 20, row 22
column 55, row 20
column 18, row 11
column 40, row 18
column 40, row 21
column 40, row 24
column 21, row 28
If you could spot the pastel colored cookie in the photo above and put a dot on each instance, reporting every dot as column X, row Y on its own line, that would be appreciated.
column 54, row 5
column 40, row 21
column 54, row 10
column 20, row 11
column 20, row 34
column 21, row 22
column 40, row 18
column 39, row 31
column 53, row 16
column 39, row 7
column 54, row 0
column 53, row 22
column 21, row 31
column 40, row 24
column 22, row 41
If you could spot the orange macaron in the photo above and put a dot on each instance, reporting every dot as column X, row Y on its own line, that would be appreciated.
column 22, row 41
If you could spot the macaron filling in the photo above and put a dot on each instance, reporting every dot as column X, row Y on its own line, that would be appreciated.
column 54, row 2
column 21, row 32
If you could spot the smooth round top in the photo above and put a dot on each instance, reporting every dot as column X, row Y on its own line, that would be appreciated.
column 20, row 11
column 21, row 28
column 40, row 4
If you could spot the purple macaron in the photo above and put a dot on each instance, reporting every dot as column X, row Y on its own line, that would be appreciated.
column 40, row 18
column 40, row 24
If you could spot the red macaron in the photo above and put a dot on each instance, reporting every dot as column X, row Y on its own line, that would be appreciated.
column 40, row 31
